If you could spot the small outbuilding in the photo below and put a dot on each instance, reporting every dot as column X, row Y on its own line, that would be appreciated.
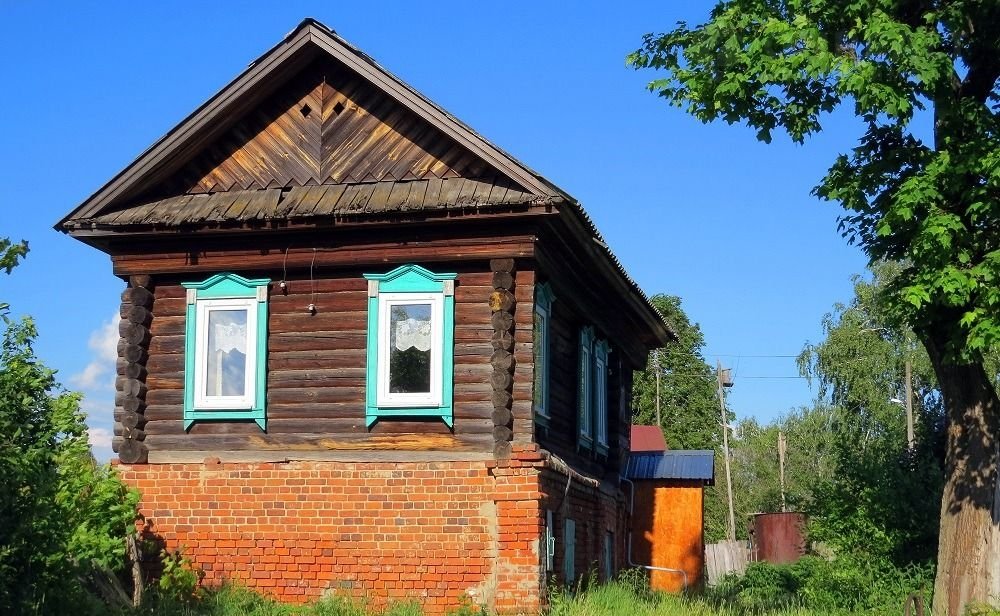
column 668, row 512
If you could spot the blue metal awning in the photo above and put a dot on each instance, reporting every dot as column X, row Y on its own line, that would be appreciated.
column 698, row 465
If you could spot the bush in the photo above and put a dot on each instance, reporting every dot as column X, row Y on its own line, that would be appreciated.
column 842, row 584
column 61, row 514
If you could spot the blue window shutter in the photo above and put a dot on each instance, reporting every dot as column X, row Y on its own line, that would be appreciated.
column 550, row 542
column 541, row 353
column 569, row 552
column 600, row 404
column 585, row 395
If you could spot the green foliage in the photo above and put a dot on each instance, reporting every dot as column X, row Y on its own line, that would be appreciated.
column 11, row 253
column 60, row 513
column 689, row 408
column 784, row 65
column 884, row 500
column 840, row 585
column 180, row 579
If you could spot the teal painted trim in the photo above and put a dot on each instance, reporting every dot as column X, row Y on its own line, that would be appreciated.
column 219, row 286
column 444, row 412
column 371, row 371
column 585, row 389
column 411, row 279
column 190, row 330
column 544, row 296
column 226, row 285
column 448, row 367
column 261, row 394
column 543, row 305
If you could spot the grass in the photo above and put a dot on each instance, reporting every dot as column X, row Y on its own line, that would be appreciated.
column 627, row 597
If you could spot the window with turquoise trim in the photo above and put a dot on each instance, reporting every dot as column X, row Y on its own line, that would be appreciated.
column 585, row 396
column 225, row 350
column 592, row 396
column 601, row 395
column 411, row 323
column 540, row 346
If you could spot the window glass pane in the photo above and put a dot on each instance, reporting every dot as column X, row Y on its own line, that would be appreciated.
column 410, row 348
column 227, row 353
column 539, row 354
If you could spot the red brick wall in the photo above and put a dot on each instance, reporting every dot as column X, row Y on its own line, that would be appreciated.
column 596, row 512
column 428, row 531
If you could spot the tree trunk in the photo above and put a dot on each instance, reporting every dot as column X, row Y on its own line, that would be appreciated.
column 968, row 564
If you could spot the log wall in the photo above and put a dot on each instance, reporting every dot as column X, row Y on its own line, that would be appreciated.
column 316, row 374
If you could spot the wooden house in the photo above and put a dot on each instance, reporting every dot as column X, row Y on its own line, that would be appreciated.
column 363, row 349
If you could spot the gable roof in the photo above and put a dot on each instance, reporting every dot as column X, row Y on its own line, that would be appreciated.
column 135, row 199
column 262, row 78
column 647, row 438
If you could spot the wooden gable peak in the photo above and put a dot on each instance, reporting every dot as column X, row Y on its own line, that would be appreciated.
column 310, row 52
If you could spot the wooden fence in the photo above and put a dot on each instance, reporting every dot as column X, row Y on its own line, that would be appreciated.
column 725, row 557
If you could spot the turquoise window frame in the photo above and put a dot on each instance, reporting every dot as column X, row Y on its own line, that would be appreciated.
column 416, row 280
column 226, row 286
column 543, row 310
column 585, row 389
column 600, row 395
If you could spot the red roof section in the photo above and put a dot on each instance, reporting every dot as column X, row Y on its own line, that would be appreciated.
column 648, row 438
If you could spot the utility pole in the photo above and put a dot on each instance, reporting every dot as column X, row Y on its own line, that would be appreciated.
column 731, row 530
column 910, row 439
column 656, row 358
column 782, row 445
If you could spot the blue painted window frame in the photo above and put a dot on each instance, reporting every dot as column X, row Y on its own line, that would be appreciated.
column 600, row 395
column 540, row 384
column 226, row 286
column 417, row 280
column 585, row 389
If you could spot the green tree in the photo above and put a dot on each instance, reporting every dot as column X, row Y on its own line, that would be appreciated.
column 60, row 513
column 689, row 408
column 883, row 501
column 931, row 203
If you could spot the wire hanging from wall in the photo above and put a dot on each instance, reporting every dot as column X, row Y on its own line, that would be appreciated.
column 312, row 285
column 284, row 273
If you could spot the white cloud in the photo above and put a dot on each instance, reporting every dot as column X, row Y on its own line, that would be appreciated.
column 103, row 345
column 100, row 444
column 99, row 437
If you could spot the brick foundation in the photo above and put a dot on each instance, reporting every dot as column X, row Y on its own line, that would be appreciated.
column 425, row 531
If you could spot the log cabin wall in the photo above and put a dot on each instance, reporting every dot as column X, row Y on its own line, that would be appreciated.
column 316, row 375
column 560, row 437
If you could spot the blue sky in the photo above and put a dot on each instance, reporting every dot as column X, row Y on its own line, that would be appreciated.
column 700, row 211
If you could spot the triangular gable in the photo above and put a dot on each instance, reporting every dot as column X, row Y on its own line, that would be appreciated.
column 327, row 126
column 319, row 76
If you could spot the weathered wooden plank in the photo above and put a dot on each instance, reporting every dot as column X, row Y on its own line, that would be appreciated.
column 310, row 441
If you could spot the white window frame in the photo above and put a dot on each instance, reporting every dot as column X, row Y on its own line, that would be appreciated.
column 203, row 308
column 385, row 398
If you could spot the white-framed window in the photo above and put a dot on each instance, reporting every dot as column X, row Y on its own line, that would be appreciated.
column 541, row 353
column 585, row 395
column 410, row 345
column 410, row 340
column 225, row 350
column 225, row 354
column 600, row 377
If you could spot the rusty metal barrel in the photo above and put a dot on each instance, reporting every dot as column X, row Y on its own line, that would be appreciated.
column 778, row 537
